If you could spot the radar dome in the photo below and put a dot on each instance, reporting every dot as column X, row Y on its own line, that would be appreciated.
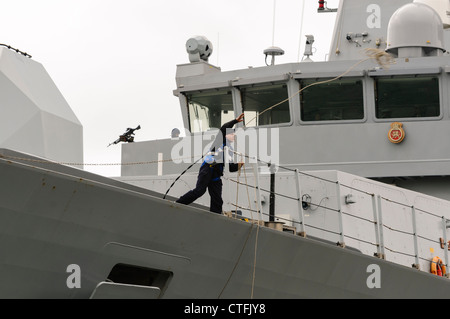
column 415, row 30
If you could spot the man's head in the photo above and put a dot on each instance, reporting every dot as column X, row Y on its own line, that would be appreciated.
column 230, row 137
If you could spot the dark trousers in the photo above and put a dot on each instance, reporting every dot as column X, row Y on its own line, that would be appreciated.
column 208, row 178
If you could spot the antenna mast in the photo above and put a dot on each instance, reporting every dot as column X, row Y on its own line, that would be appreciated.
column 273, row 50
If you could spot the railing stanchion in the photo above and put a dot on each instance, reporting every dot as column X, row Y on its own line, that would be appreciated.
column 258, row 192
column 416, row 246
column 339, row 207
column 299, row 204
column 380, row 227
column 376, row 224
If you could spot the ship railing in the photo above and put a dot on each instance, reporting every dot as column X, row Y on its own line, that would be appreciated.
column 406, row 238
column 400, row 232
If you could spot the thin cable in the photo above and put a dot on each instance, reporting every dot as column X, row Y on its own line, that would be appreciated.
column 17, row 50
column 301, row 31
column 258, row 208
column 237, row 261
column 254, row 262
column 44, row 161
column 273, row 22
column 176, row 179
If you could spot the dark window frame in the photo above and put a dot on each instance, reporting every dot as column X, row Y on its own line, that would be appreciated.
column 332, row 83
column 212, row 124
column 416, row 114
column 251, row 121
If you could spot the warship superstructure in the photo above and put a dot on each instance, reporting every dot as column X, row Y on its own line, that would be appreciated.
column 344, row 193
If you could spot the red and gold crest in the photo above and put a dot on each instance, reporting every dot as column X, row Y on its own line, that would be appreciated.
column 396, row 134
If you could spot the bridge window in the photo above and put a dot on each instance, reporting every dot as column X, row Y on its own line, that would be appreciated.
column 258, row 98
column 403, row 97
column 209, row 109
column 336, row 100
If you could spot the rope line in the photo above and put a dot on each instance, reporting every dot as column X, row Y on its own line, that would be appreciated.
column 381, row 57
column 237, row 261
column 44, row 161
column 258, row 208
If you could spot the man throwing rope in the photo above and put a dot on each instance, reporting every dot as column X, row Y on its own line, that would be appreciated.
column 211, row 169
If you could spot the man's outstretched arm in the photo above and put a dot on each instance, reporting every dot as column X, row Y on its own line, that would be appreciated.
column 230, row 124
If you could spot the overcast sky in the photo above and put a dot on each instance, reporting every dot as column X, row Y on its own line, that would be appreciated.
column 114, row 61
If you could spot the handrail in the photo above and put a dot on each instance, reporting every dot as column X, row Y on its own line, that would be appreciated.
column 381, row 228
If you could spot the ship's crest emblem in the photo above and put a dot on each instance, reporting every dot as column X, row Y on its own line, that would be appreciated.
column 396, row 134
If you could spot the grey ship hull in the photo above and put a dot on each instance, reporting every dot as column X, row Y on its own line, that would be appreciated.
column 52, row 216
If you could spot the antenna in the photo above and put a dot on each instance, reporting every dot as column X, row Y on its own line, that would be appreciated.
column 273, row 22
column 301, row 30
column 273, row 50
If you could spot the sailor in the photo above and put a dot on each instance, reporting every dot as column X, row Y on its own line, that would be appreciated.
column 212, row 169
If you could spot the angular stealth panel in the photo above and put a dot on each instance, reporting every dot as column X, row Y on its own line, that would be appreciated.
column 34, row 116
